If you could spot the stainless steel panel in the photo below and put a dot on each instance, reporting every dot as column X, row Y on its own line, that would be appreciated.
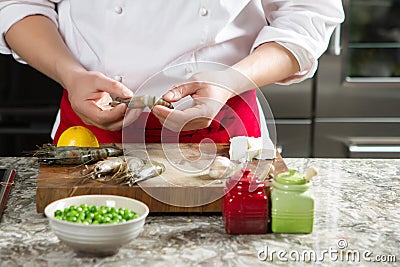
column 373, row 47
column 358, row 138
column 360, row 78
column 292, row 101
column 335, row 98
column 294, row 137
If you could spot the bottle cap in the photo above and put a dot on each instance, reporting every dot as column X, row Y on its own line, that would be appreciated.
column 246, row 176
column 291, row 177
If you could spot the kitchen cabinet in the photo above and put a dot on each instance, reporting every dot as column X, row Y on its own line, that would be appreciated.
column 357, row 138
column 351, row 108
column 294, row 137
column 292, row 110
column 357, row 110
column 372, row 41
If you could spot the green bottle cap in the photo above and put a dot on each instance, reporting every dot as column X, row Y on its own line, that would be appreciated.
column 291, row 177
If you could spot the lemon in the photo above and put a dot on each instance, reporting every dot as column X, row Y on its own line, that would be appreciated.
column 78, row 136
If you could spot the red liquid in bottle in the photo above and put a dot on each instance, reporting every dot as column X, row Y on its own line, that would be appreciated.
column 245, row 205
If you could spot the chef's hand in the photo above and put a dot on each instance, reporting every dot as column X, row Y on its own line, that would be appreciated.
column 209, row 95
column 89, row 95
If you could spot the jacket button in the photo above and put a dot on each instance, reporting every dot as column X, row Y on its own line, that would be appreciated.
column 203, row 12
column 118, row 9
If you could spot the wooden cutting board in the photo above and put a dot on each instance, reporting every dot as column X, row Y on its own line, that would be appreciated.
column 184, row 187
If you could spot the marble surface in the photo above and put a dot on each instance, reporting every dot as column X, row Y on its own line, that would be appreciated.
column 357, row 206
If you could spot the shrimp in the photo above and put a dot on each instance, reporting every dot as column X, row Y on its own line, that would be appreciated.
column 123, row 170
column 111, row 166
column 52, row 155
column 149, row 170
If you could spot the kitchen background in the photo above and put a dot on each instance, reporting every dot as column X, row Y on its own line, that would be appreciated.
column 351, row 108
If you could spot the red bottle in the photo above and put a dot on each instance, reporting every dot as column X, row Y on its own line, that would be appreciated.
column 245, row 205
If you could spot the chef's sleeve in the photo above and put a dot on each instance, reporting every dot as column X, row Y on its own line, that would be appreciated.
column 12, row 11
column 304, row 27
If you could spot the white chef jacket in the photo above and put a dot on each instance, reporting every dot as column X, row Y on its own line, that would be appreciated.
column 135, row 39
column 132, row 40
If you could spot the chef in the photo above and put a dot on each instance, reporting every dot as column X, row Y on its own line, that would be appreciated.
column 217, row 51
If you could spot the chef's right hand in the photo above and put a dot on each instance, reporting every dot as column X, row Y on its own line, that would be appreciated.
column 89, row 95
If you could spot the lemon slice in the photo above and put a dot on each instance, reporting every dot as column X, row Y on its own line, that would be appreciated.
column 78, row 136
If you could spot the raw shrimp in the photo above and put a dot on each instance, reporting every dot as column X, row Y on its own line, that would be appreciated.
column 52, row 155
column 123, row 170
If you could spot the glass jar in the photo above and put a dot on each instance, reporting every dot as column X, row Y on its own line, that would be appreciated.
column 245, row 205
column 292, row 204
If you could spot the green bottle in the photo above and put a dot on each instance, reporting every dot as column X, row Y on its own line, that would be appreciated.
column 292, row 208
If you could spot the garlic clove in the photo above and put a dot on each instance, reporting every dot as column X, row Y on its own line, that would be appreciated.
column 310, row 173
column 221, row 167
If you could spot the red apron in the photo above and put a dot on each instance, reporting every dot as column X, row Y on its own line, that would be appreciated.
column 239, row 117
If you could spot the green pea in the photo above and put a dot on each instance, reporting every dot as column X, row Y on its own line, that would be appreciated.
column 89, row 215
column 72, row 213
column 93, row 209
column 72, row 219
column 128, row 216
column 95, row 215
column 103, row 211
column 98, row 218
column 121, row 211
column 58, row 213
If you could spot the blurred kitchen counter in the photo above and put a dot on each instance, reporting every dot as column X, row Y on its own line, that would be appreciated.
column 357, row 203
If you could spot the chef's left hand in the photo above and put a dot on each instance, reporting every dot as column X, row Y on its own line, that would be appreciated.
column 209, row 93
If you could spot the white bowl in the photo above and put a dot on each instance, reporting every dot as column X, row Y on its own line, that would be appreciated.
column 98, row 239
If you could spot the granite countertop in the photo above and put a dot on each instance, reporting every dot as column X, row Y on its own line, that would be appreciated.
column 357, row 206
